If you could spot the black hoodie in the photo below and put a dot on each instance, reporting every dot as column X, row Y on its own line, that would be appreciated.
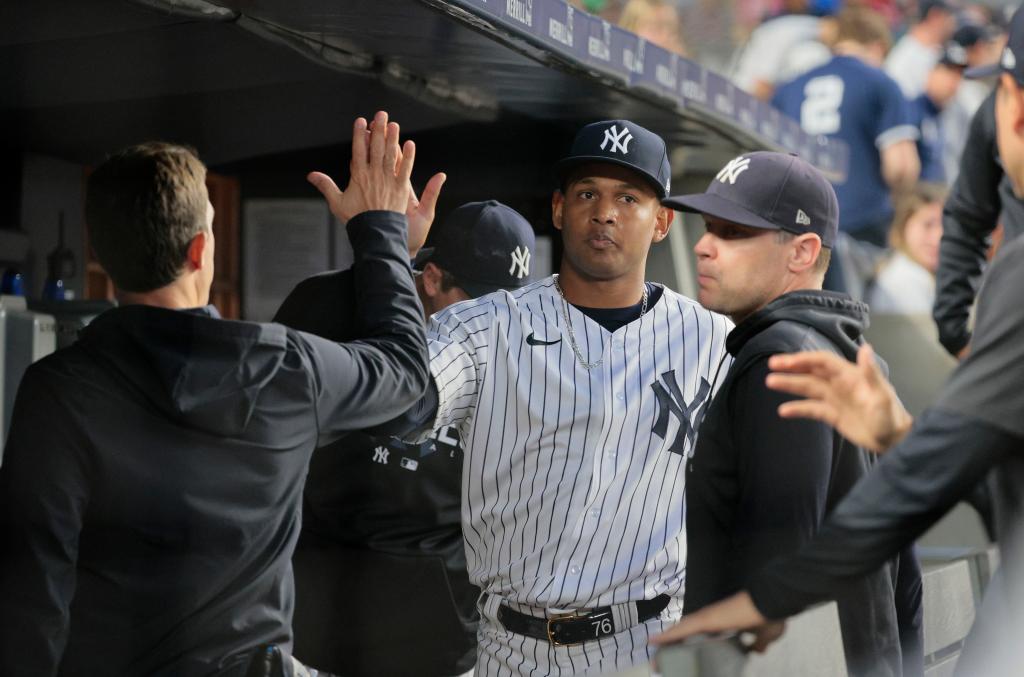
column 759, row 486
column 151, row 484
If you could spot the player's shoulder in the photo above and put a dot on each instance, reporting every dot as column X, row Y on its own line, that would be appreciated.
column 869, row 76
column 680, row 303
column 502, row 303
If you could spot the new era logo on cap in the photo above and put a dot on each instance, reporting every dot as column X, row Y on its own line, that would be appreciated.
column 781, row 192
column 619, row 139
column 732, row 171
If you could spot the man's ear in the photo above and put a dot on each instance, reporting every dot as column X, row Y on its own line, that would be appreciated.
column 804, row 253
column 663, row 223
column 431, row 277
column 557, row 204
column 1015, row 107
column 194, row 255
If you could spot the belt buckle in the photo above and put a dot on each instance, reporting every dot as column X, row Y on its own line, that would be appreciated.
column 562, row 617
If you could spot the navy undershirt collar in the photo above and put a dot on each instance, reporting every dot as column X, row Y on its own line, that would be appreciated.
column 614, row 318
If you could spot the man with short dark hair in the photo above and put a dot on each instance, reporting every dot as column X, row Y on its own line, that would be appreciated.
column 382, row 519
column 760, row 486
column 577, row 399
column 149, row 495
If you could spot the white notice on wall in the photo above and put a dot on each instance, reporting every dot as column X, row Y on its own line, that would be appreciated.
column 542, row 263
column 284, row 242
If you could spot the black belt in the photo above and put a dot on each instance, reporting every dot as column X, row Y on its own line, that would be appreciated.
column 578, row 627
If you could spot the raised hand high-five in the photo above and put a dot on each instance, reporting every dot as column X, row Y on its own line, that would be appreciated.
column 855, row 399
column 420, row 212
column 379, row 179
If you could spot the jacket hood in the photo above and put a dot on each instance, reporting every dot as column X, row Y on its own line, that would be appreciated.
column 203, row 371
column 837, row 316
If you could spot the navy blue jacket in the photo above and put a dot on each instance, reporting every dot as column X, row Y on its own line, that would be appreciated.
column 151, row 484
column 759, row 486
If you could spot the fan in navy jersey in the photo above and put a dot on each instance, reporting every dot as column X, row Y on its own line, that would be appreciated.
column 925, row 110
column 851, row 99
column 381, row 520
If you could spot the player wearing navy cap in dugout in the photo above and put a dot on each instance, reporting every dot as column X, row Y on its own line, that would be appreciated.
column 758, row 485
column 381, row 519
column 577, row 399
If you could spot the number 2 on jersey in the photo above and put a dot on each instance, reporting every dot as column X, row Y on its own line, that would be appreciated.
column 819, row 113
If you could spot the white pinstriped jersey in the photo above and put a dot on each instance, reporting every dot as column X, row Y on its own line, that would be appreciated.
column 573, row 480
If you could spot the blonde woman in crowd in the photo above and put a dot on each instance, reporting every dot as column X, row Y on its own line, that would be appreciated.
column 905, row 283
column 657, row 21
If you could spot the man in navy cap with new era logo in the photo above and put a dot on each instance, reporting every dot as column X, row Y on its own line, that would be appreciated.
column 759, row 485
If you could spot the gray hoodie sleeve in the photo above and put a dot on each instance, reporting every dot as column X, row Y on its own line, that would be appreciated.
column 377, row 377
column 979, row 198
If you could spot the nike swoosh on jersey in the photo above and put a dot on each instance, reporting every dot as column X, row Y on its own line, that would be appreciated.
column 534, row 341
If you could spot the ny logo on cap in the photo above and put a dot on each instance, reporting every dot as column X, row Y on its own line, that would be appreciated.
column 731, row 171
column 520, row 260
column 802, row 218
column 619, row 140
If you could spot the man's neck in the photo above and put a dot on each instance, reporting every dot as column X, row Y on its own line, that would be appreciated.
column 620, row 292
column 801, row 283
column 855, row 50
column 178, row 295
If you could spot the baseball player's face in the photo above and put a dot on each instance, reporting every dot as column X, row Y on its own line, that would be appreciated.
column 608, row 217
column 739, row 269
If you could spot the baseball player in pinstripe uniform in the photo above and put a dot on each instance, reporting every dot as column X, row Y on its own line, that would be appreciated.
column 578, row 398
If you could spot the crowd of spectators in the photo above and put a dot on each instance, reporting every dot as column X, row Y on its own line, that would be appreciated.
column 905, row 121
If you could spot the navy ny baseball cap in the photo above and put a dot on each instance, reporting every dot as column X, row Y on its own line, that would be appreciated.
column 953, row 55
column 621, row 142
column 1012, row 59
column 486, row 246
column 775, row 191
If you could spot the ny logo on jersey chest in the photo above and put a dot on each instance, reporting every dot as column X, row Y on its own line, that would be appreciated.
column 671, row 402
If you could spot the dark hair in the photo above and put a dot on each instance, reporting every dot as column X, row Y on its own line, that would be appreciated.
column 448, row 281
column 143, row 206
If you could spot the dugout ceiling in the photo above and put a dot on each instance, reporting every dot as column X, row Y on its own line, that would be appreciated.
column 248, row 78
